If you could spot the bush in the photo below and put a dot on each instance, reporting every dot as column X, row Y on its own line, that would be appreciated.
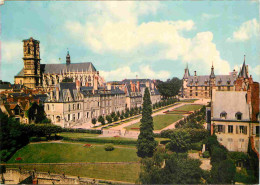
column 206, row 154
column 109, row 148
column 73, row 130
column 196, row 146
column 37, row 139
column 116, row 118
column 223, row 173
column 100, row 140
column 218, row 154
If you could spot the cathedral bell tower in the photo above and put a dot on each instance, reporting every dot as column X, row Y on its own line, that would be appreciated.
column 31, row 59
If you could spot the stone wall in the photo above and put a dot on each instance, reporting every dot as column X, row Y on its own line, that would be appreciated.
column 16, row 176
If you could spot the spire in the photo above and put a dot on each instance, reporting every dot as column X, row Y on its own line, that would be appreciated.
column 243, row 72
column 212, row 75
column 68, row 58
column 186, row 72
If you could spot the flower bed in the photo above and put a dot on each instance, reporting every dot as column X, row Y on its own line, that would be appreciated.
column 135, row 128
column 87, row 145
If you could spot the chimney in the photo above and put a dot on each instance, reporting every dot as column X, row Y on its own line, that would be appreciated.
column 138, row 86
column 57, row 94
column 77, row 85
column 147, row 84
column 51, row 94
column 195, row 73
column 152, row 85
column 108, row 86
column 95, row 84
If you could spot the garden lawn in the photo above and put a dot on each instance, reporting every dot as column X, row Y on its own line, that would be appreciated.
column 188, row 100
column 159, row 122
column 117, row 172
column 71, row 152
column 189, row 107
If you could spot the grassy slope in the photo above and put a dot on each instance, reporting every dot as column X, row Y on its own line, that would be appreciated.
column 159, row 121
column 118, row 172
column 66, row 152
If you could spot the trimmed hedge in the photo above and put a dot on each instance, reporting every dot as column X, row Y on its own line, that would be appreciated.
column 97, row 140
column 89, row 131
column 206, row 154
column 197, row 135
column 37, row 139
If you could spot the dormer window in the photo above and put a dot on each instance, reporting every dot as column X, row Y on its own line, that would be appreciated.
column 223, row 115
column 228, row 82
column 220, row 81
column 239, row 116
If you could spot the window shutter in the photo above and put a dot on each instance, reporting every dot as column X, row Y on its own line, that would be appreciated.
column 237, row 129
column 254, row 130
column 245, row 129
column 224, row 129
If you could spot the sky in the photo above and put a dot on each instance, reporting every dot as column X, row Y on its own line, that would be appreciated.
column 132, row 39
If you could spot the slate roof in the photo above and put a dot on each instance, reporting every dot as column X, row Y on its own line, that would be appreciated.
column 127, row 81
column 5, row 86
column 59, row 68
column 205, row 80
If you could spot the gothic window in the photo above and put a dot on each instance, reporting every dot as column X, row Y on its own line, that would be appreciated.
column 89, row 79
column 28, row 48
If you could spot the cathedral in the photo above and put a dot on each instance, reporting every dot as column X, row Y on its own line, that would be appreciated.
column 35, row 75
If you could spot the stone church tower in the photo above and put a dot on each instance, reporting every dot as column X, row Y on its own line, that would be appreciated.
column 30, row 76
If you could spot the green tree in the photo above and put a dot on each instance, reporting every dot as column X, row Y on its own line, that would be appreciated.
column 180, row 142
column 101, row 120
column 178, row 169
column 223, row 172
column 118, row 114
column 109, row 119
column 113, row 114
column 146, row 144
column 94, row 121
column 169, row 88
column 116, row 118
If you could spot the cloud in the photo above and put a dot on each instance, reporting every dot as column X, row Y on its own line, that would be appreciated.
column 246, row 31
column 209, row 16
column 144, row 71
column 11, row 51
column 110, row 31
column 256, row 70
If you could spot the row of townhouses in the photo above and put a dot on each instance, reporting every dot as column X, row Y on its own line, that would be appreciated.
column 71, row 104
